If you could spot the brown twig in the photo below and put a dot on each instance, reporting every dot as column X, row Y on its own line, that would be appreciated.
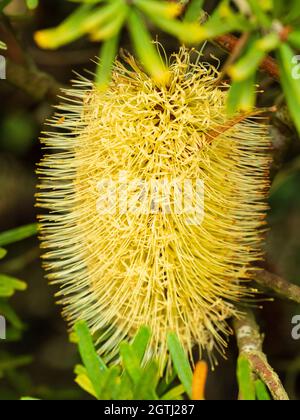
column 22, row 72
column 236, row 52
column 229, row 42
column 250, row 343
column 279, row 285
column 37, row 84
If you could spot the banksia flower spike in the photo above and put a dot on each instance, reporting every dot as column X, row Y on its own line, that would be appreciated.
column 122, row 260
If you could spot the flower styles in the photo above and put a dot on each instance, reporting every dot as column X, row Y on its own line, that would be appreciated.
column 120, row 269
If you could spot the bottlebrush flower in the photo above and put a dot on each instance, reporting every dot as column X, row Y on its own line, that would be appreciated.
column 120, row 269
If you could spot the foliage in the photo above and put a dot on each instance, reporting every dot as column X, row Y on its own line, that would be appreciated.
column 250, row 389
column 8, row 287
column 129, row 380
column 268, row 26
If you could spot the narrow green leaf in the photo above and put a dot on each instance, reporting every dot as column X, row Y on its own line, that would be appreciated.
column 68, row 31
column 3, row 253
column 166, row 382
column 15, row 362
column 18, row 234
column 248, row 64
column 9, row 285
column 241, row 96
column 175, row 393
column 159, row 8
column 291, row 14
column 140, row 342
column 124, row 390
column 107, row 56
column 245, row 380
column 290, row 81
column 84, row 381
column 131, row 362
column 145, row 49
column 263, row 18
column 181, row 363
column 278, row 8
column 32, row 4
column 145, row 388
column 100, row 16
column 110, row 382
column 262, row 392
column 87, row 1
column 188, row 32
column 94, row 365
column 10, row 315
column 113, row 27
column 294, row 39
column 194, row 11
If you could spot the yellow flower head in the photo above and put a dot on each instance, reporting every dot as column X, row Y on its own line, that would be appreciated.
column 155, row 206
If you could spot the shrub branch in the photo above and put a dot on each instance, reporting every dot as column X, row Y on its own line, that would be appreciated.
column 250, row 343
column 278, row 284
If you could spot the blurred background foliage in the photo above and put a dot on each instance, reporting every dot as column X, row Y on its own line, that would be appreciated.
column 59, row 37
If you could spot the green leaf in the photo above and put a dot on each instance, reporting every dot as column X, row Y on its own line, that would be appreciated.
column 248, row 64
column 10, row 363
column 159, row 8
column 124, row 390
column 94, row 365
column 113, row 27
column 9, row 285
column 140, row 342
column 131, row 362
column 18, row 234
column 175, row 393
column 241, row 96
column 289, row 81
column 145, row 387
column 110, row 382
column 145, row 49
column 262, row 392
column 166, row 382
column 278, row 8
column 3, row 46
column 107, row 56
column 32, row 4
column 194, row 11
column 294, row 39
column 3, row 253
column 84, row 381
column 68, row 31
column 10, row 315
column 188, row 32
column 258, row 11
column 98, row 17
column 181, row 363
column 291, row 13
column 245, row 379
